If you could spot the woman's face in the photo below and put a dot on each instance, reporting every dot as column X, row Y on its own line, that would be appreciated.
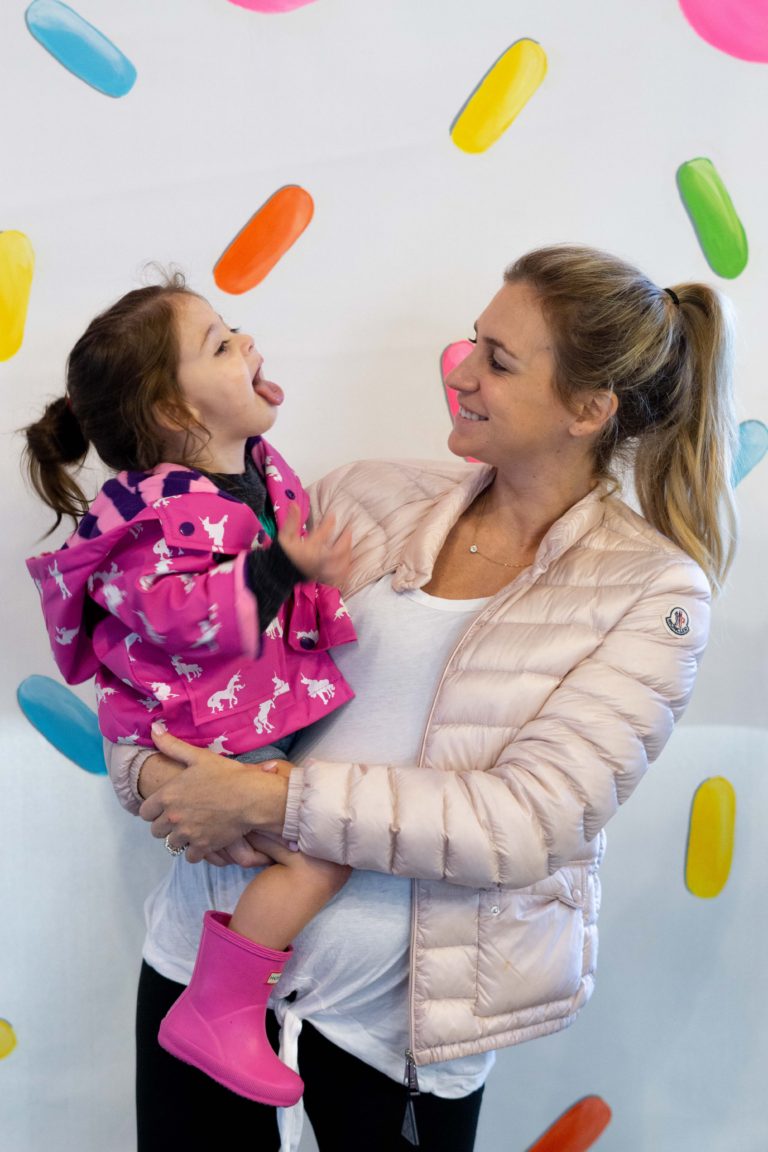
column 220, row 378
column 509, row 413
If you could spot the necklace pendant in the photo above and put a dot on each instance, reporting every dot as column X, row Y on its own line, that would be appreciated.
column 473, row 548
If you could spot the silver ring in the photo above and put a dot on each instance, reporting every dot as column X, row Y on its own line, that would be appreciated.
column 173, row 851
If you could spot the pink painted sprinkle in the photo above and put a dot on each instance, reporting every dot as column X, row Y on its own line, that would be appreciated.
column 453, row 355
column 271, row 5
column 737, row 27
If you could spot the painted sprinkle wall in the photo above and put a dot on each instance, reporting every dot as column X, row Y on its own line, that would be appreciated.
column 349, row 180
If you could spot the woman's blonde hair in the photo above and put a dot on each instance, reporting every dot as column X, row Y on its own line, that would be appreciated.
column 668, row 356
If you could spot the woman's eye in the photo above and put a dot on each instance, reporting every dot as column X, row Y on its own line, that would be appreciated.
column 222, row 348
column 472, row 339
column 496, row 366
column 234, row 330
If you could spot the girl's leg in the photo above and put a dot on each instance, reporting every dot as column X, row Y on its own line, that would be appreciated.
column 217, row 1025
column 175, row 1103
column 283, row 898
column 352, row 1106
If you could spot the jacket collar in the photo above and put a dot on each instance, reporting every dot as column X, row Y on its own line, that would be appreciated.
column 423, row 547
column 572, row 527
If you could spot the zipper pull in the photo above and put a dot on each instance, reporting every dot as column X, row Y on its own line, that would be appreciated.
column 411, row 1080
column 409, row 1130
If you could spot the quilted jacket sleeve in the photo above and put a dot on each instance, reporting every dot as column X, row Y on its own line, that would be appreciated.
column 124, row 763
column 552, row 788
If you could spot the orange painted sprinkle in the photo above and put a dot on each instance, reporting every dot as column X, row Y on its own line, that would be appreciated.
column 266, row 238
column 577, row 1129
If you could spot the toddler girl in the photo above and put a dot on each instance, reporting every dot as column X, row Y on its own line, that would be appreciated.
column 188, row 589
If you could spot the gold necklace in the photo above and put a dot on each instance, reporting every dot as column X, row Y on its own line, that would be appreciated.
column 473, row 548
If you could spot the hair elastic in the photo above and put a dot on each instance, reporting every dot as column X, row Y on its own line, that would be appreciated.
column 674, row 296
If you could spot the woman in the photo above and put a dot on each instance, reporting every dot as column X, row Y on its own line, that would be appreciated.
column 527, row 643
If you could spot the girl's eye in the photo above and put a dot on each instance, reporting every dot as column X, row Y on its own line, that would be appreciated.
column 225, row 343
column 496, row 367
column 472, row 339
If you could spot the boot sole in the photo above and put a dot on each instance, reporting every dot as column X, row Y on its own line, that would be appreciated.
column 191, row 1054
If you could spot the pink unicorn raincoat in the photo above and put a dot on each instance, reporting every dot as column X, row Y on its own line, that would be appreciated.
column 149, row 595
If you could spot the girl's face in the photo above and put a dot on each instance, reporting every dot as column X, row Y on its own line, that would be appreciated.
column 220, row 378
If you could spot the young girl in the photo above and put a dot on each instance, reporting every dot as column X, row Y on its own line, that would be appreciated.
column 188, row 590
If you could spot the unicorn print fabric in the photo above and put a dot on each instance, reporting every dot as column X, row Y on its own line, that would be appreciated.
column 178, row 636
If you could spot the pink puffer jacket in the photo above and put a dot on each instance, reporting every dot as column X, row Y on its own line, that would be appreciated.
column 559, row 695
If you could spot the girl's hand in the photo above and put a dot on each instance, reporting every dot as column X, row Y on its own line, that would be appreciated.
column 318, row 556
column 240, row 853
column 273, row 847
column 281, row 767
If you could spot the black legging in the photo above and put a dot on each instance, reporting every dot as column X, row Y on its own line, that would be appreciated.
column 350, row 1105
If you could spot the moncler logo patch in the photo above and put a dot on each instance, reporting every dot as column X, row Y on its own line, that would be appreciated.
column 678, row 621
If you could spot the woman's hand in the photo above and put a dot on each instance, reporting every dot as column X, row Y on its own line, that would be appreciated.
column 154, row 772
column 215, row 802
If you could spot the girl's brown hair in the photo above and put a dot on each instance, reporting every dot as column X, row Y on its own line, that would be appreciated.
column 668, row 356
column 121, row 374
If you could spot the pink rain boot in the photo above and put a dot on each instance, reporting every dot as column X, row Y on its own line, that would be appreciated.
column 217, row 1024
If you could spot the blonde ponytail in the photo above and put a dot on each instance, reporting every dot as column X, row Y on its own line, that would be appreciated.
column 684, row 468
column 668, row 356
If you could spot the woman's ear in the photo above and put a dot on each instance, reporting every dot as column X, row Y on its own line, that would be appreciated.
column 592, row 411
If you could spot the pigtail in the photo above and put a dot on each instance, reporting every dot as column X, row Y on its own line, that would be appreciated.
column 56, row 444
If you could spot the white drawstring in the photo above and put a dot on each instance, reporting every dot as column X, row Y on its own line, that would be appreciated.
column 290, row 1121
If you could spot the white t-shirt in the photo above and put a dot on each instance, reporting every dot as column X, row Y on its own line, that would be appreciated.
column 350, row 965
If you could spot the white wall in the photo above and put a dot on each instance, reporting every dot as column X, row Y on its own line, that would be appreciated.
column 353, row 101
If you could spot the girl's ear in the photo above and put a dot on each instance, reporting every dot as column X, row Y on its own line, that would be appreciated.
column 592, row 411
column 174, row 420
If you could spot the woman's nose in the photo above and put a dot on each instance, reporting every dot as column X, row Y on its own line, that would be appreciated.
column 460, row 376
column 460, row 379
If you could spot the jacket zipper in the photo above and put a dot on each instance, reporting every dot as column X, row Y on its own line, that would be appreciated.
column 410, row 1062
column 525, row 579
column 409, row 1130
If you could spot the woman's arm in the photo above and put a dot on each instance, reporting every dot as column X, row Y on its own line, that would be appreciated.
column 551, row 789
column 534, row 801
column 540, row 805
